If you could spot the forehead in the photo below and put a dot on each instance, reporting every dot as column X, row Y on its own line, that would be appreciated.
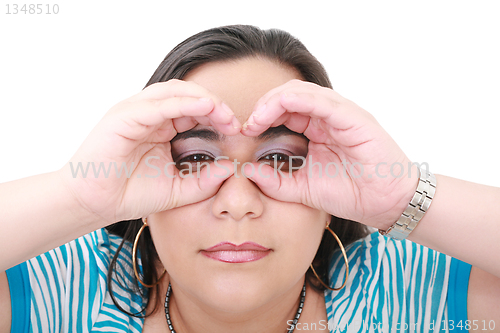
column 241, row 83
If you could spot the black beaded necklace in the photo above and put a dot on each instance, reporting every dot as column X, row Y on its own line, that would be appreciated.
column 292, row 327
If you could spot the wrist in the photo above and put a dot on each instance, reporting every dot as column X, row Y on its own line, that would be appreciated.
column 74, row 208
column 415, row 208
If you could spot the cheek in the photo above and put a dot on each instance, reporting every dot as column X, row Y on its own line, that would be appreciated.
column 173, row 234
column 302, row 237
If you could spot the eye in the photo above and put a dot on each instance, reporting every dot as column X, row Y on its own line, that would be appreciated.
column 282, row 161
column 280, row 157
column 196, row 160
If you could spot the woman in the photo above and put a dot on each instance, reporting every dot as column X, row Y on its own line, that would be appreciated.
column 230, row 232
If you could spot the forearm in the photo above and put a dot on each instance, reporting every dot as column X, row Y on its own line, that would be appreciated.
column 37, row 214
column 463, row 222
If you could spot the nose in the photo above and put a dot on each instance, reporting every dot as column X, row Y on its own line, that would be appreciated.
column 238, row 197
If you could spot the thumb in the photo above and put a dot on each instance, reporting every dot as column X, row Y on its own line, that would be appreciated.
column 202, row 184
column 282, row 186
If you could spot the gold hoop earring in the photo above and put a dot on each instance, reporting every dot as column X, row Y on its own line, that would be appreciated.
column 346, row 263
column 134, row 257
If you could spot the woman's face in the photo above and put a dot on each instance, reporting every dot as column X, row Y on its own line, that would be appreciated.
column 239, row 212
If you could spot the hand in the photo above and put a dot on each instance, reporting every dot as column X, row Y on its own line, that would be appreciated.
column 359, row 185
column 137, row 132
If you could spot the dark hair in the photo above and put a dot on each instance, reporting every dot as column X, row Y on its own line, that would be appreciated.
column 231, row 43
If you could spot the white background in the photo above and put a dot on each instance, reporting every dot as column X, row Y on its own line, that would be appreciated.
column 428, row 70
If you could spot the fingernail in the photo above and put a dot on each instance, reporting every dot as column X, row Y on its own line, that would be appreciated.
column 235, row 123
column 287, row 95
column 227, row 109
column 204, row 99
column 244, row 127
column 259, row 111
column 250, row 121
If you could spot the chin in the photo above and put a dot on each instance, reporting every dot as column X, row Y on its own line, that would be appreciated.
column 239, row 293
column 242, row 299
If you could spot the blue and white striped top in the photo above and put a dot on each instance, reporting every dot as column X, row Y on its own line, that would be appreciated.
column 393, row 287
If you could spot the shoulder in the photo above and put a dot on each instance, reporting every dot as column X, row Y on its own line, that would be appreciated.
column 389, row 282
column 90, row 252
column 68, row 286
column 374, row 252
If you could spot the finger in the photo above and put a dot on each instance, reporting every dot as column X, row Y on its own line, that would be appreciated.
column 262, row 119
column 290, row 86
column 186, row 123
column 295, row 96
column 269, row 112
column 316, row 132
column 202, row 120
column 232, row 128
column 277, row 106
column 253, row 128
column 229, row 128
column 296, row 122
column 164, row 133
column 329, row 116
column 274, row 184
column 281, row 119
column 200, row 186
column 155, row 112
column 221, row 115
column 332, row 119
column 319, row 106
column 139, row 118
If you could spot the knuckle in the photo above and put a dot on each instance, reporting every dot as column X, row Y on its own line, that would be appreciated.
column 173, row 82
column 181, row 100
column 294, row 83
column 156, row 103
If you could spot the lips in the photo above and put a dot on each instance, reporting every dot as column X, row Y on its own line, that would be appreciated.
column 231, row 253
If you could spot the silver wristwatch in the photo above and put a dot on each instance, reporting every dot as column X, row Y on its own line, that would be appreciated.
column 416, row 209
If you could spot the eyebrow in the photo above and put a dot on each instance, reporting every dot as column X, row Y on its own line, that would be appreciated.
column 210, row 134
column 201, row 133
column 274, row 132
